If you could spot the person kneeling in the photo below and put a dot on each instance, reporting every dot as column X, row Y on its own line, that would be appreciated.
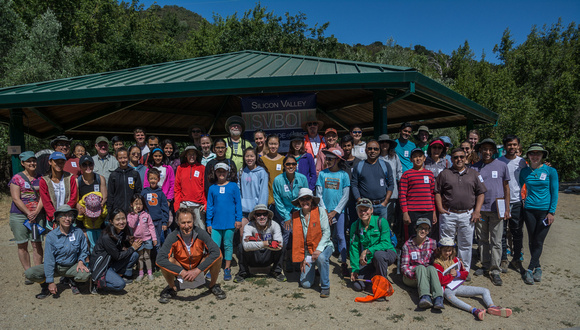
column 188, row 252
column 311, row 242
column 65, row 253
column 371, row 249
column 261, row 245
column 417, row 271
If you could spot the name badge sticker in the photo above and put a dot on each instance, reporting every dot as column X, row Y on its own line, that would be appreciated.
column 130, row 180
column 494, row 174
column 425, row 179
column 382, row 182
column 414, row 255
column 406, row 153
column 278, row 167
column 543, row 176
column 196, row 174
column 97, row 188
column 480, row 178
column 222, row 190
column 73, row 164
column 72, row 238
column 149, row 197
column 286, row 189
column 26, row 185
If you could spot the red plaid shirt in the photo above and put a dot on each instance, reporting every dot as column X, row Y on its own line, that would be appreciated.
column 422, row 255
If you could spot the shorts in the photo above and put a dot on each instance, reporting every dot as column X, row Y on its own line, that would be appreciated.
column 21, row 233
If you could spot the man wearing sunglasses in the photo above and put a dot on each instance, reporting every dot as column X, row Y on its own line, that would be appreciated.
column 261, row 245
column 313, row 142
column 459, row 195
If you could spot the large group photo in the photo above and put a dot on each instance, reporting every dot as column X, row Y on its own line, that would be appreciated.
column 246, row 188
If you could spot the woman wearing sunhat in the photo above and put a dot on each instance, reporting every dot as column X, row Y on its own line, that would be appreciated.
column 26, row 209
column 422, row 136
column 311, row 244
column 540, row 204
column 58, row 187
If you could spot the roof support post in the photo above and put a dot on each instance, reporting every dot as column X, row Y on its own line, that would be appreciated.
column 16, row 131
column 468, row 127
column 380, row 112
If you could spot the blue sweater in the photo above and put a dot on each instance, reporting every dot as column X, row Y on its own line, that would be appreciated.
column 224, row 206
column 253, row 188
column 156, row 204
column 542, row 186
column 284, row 195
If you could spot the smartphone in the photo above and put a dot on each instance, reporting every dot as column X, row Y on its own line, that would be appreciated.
column 545, row 221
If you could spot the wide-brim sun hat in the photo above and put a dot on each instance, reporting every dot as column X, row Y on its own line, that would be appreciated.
column 485, row 141
column 258, row 208
column 59, row 138
column 302, row 193
column 311, row 118
column 336, row 152
column 194, row 148
column 537, row 147
column 386, row 138
column 64, row 209
column 235, row 120
column 446, row 241
column 423, row 128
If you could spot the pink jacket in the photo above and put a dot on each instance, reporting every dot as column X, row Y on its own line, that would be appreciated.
column 167, row 184
column 142, row 226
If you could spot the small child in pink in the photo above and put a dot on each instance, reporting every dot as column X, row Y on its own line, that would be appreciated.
column 143, row 228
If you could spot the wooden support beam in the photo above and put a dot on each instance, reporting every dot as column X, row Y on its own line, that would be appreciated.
column 335, row 119
column 47, row 118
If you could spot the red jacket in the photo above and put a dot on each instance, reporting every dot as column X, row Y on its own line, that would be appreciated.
column 446, row 279
column 46, row 192
column 189, row 184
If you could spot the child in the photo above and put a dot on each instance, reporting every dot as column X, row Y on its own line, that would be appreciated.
column 224, row 211
column 93, row 217
column 157, row 205
column 445, row 258
column 123, row 183
column 157, row 160
column 142, row 227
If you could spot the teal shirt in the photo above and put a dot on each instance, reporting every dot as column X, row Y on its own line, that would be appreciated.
column 371, row 239
column 404, row 153
column 285, row 193
column 542, row 188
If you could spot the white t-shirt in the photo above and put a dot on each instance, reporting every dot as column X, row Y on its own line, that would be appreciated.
column 163, row 175
column 514, row 167
column 315, row 143
column 59, row 193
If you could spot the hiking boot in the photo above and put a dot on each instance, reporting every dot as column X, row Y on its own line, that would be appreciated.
column 480, row 271
column 28, row 282
column 139, row 278
column 344, row 270
column 438, row 303
column 528, row 277
column 425, row 302
column 44, row 292
column 227, row 274
column 239, row 279
column 499, row 311
column 217, row 291
column 504, row 266
column 127, row 280
column 278, row 276
column 73, row 287
column 537, row 275
column 167, row 294
column 468, row 278
column 496, row 280
column 324, row 293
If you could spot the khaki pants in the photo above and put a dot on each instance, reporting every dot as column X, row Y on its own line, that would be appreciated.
column 426, row 281
column 36, row 273
column 490, row 232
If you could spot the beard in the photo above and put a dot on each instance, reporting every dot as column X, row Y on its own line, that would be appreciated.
column 235, row 132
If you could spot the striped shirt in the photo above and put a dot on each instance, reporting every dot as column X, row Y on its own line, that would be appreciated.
column 417, row 191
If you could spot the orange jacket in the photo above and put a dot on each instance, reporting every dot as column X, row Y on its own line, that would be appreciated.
column 313, row 235
column 308, row 145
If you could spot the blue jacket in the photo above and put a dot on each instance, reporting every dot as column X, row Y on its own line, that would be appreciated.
column 283, row 195
column 253, row 188
column 156, row 204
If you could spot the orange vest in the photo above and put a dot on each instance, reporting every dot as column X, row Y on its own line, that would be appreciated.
column 308, row 145
column 313, row 235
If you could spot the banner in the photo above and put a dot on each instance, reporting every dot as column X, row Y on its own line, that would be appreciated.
column 280, row 115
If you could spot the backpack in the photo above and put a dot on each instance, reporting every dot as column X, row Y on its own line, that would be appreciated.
column 393, row 236
column 231, row 146
column 383, row 164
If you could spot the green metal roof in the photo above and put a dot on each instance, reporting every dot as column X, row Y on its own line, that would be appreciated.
column 203, row 84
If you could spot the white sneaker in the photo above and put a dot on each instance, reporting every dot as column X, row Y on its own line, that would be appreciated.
column 139, row 278
column 151, row 277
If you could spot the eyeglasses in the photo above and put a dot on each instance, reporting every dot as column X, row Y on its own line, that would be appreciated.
column 312, row 124
column 373, row 149
column 291, row 164
column 458, row 157
column 356, row 132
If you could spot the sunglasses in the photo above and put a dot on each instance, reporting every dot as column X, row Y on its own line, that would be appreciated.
column 312, row 124
column 305, row 198
column 356, row 132
column 373, row 149
column 262, row 214
column 291, row 164
column 87, row 164
column 458, row 157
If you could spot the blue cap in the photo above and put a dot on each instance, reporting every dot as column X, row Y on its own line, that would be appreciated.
column 26, row 155
column 417, row 150
column 57, row 155
column 446, row 140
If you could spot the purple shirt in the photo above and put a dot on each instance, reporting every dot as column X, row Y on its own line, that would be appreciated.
column 493, row 175
column 28, row 194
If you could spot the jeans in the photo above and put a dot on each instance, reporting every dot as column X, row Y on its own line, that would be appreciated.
column 114, row 281
column 537, row 233
column 516, row 224
column 338, row 233
column 460, row 225
column 286, row 234
column 227, row 236
column 322, row 262
column 490, row 230
column 382, row 211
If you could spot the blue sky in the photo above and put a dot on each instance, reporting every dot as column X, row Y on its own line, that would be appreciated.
column 437, row 25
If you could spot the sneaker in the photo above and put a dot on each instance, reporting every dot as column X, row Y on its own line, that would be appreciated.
column 239, row 279
column 139, row 278
column 344, row 270
column 44, row 292
column 504, row 266
column 499, row 311
column 528, row 277
column 278, row 276
column 150, row 277
column 479, row 314
column 217, row 291
column 480, row 271
column 227, row 274
column 425, row 302
column 167, row 294
column 94, row 289
column 438, row 303
column 496, row 280
column 28, row 282
column 537, row 275
column 324, row 293
column 73, row 287
column 274, row 246
column 127, row 280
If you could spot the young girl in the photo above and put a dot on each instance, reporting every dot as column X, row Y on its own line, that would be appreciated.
column 172, row 154
column 224, row 211
column 79, row 150
column 167, row 179
column 260, row 141
column 142, row 227
column 445, row 257
column 206, row 150
column 305, row 160
column 253, row 184
column 333, row 187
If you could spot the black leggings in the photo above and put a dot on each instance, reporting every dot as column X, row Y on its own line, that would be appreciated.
column 537, row 233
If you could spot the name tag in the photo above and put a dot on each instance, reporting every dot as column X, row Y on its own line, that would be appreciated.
column 196, row 174
column 149, row 197
column 414, row 255
column 73, row 164
column 425, row 179
column 72, row 238
column 97, row 188
column 130, row 180
column 278, row 167
column 286, row 189
column 382, row 182
column 480, row 178
column 222, row 190
column 406, row 153
column 26, row 185
column 494, row 174
column 543, row 176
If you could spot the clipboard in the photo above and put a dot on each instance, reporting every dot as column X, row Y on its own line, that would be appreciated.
column 500, row 204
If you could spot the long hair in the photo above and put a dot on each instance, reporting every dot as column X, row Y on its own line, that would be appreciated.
column 259, row 161
column 151, row 161
column 292, row 151
column 439, row 258
column 174, row 155
column 231, row 177
column 125, row 234
column 443, row 151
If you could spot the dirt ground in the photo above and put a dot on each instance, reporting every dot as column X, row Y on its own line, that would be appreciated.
column 263, row 302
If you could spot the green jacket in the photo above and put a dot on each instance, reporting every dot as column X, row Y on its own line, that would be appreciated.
column 371, row 239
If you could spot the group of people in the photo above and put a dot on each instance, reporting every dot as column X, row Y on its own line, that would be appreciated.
column 370, row 203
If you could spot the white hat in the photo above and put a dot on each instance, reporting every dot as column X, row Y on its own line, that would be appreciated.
column 223, row 166
column 446, row 241
column 304, row 192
